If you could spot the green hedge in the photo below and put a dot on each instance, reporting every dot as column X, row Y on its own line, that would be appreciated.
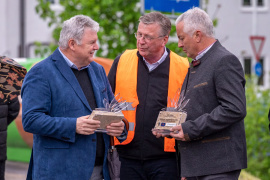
column 257, row 131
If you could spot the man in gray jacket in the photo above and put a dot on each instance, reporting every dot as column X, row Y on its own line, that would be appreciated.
column 212, row 142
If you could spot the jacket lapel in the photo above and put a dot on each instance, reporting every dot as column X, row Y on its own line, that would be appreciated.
column 66, row 71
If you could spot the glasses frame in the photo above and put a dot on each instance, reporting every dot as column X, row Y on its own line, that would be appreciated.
column 146, row 38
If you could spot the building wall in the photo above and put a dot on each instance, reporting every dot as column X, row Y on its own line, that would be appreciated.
column 9, row 27
column 36, row 29
column 235, row 26
column 3, row 30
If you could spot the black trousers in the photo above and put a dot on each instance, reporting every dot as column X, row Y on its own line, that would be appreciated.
column 2, row 170
column 233, row 175
column 155, row 169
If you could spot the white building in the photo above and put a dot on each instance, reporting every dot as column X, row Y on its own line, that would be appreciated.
column 21, row 26
column 238, row 20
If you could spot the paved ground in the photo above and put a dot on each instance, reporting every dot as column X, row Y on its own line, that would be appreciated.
column 16, row 170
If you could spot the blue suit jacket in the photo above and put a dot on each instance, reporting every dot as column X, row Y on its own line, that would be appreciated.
column 52, row 101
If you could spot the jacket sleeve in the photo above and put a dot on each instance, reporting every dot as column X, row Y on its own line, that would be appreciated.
column 37, row 100
column 13, row 110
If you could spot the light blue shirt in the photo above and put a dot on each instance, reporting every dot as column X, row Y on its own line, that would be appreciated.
column 71, row 64
column 200, row 54
column 153, row 66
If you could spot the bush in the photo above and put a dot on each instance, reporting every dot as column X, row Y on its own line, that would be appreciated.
column 257, row 131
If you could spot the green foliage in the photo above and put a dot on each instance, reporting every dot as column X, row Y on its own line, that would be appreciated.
column 43, row 50
column 247, row 176
column 118, row 20
column 215, row 22
column 257, row 132
column 174, row 45
column 43, row 9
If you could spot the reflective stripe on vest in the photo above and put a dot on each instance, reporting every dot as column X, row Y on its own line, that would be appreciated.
column 126, row 85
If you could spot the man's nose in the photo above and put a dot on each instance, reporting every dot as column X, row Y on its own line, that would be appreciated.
column 96, row 47
column 180, row 44
column 141, row 40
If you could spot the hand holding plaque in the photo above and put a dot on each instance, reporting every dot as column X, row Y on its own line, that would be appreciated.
column 111, row 113
column 171, row 116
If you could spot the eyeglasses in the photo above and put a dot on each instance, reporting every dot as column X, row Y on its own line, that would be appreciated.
column 145, row 37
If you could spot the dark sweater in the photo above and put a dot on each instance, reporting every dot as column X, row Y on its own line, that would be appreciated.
column 86, row 85
column 152, row 90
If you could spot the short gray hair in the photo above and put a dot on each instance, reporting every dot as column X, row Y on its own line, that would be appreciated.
column 73, row 28
column 159, row 18
column 196, row 19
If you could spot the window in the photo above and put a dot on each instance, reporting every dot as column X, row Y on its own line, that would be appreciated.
column 246, row 2
column 261, row 78
column 260, row 3
column 247, row 66
column 251, row 5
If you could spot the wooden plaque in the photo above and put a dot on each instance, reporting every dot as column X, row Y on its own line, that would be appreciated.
column 106, row 118
column 168, row 119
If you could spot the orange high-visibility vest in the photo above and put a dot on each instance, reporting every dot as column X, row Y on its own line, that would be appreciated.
column 126, row 85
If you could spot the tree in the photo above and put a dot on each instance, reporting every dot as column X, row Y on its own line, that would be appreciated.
column 118, row 20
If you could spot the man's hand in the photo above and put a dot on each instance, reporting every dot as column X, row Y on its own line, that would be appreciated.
column 176, row 132
column 86, row 126
column 178, row 136
column 158, row 135
column 115, row 129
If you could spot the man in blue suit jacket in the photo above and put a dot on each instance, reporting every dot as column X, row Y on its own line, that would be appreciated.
column 59, row 94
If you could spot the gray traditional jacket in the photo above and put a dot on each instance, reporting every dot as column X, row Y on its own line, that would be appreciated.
column 216, row 111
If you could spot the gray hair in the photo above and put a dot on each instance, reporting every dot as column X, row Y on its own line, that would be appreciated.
column 157, row 17
column 196, row 19
column 73, row 28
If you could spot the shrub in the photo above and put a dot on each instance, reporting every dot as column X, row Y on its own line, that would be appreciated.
column 257, row 131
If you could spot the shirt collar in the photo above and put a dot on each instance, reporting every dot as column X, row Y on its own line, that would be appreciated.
column 71, row 64
column 200, row 54
column 163, row 57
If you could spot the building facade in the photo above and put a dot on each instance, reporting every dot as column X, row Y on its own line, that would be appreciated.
column 21, row 27
column 237, row 22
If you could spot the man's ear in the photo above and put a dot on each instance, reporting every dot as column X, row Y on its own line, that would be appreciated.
column 165, row 40
column 71, row 44
column 198, row 36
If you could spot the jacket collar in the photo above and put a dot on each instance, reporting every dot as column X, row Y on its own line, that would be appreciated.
column 67, row 73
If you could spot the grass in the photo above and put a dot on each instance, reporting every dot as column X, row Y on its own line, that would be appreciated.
column 246, row 176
